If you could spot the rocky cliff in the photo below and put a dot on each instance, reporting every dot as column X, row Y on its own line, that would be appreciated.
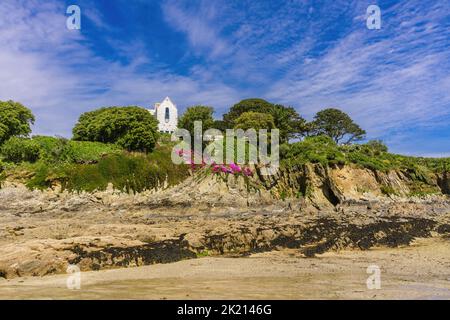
column 310, row 186
column 311, row 208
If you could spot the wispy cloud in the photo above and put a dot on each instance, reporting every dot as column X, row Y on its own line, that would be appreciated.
column 303, row 53
column 198, row 22
column 53, row 71
column 390, row 80
column 314, row 56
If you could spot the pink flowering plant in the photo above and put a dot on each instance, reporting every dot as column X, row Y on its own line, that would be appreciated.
column 230, row 169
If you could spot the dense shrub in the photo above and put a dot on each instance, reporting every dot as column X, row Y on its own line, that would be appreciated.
column 20, row 149
column 376, row 147
column 91, row 152
column 132, row 128
column 2, row 170
column 367, row 161
column 320, row 149
column 126, row 171
column 372, row 155
column 60, row 150
column 53, row 150
column 41, row 178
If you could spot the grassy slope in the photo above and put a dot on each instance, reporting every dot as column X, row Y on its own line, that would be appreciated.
column 323, row 150
column 88, row 166
column 421, row 171
column 91, row 166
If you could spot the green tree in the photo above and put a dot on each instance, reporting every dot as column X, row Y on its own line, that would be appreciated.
column 15, row 120
column 132, row 128
column 254, row 120
column 337, row 125
column 220, row 125
column 247, row 105
column 17, row 149
column 197, row 113
column 288, row 121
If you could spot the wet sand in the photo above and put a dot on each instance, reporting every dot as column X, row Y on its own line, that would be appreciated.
column 419, row 271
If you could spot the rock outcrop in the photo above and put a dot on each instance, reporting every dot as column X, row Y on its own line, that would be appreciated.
column 309, row 207
column 103, row 247
column 307, row 187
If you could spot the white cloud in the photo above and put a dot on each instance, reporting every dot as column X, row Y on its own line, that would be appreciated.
column 198, row 24
column 396, row 82
column 53, row 71
column 298, row 53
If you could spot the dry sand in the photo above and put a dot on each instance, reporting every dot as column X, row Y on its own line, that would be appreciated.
column 419, row 271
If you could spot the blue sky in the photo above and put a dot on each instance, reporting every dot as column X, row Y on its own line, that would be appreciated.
column 395, row 82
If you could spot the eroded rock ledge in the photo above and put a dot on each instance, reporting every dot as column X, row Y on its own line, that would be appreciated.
column 199, row 237
column 314, row 209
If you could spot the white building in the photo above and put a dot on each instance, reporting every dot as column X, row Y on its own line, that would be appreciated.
column 166, row 113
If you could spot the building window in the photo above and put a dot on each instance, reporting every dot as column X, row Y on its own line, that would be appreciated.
column 167, row 116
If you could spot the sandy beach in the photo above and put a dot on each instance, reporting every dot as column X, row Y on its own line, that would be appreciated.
column 419, row 271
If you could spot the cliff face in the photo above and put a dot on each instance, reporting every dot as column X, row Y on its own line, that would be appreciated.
column 312, row 208
column 307, row 186
column 350, row 183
